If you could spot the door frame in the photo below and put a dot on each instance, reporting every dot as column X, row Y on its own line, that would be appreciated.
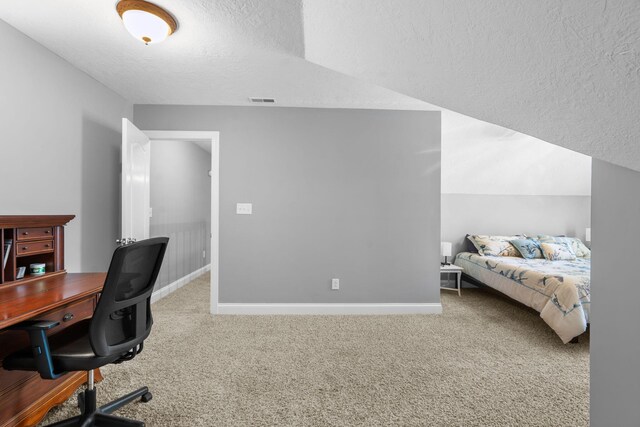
column 132, row 136
column 214, row 137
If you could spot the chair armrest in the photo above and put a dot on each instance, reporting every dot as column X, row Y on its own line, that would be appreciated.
column 34, row 325
column 37, row 330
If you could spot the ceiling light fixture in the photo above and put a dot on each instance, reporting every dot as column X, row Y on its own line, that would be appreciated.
column 145, row 21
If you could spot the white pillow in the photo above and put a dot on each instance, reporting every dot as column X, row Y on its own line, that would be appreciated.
column 558, row 251
column 495, row 245
column 576, row 245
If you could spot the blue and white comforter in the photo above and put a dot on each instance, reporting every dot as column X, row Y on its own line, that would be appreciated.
column 559, row 290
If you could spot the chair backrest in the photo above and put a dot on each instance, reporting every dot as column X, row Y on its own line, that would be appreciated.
column 122, row 318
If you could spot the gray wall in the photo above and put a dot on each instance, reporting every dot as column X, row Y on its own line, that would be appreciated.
column 349, row 194
column 512, row 214
column 181, row 203
column 61, row 133
column 615, row 317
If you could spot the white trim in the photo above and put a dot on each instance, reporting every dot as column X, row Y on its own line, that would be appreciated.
column 172, row 287
column 214, row 137
column 215, row 222
column 310, row 308
column 181, row 135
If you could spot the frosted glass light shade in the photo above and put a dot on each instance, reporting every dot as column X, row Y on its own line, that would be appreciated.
column 146, row 21
column 445, row 248
column 145, row 26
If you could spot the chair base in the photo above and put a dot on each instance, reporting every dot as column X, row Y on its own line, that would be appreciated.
column 102, row 416
column 98, row 420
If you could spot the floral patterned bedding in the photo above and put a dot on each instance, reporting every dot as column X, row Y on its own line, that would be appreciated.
column 559, row 290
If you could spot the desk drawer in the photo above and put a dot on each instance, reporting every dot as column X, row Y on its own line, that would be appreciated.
column 39, row 233
column 30, row 248
column 20, row 385
column 66, row 315
column 70, row 314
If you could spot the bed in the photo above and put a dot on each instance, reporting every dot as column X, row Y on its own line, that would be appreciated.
column 558, row 290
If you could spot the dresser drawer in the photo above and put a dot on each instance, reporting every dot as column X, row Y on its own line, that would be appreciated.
column 39, row 233
column 30, row 248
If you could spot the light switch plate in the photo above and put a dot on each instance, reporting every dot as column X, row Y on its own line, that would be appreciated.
column 244, row 208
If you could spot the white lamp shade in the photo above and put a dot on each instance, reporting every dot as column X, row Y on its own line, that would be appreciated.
column 145, row 26
column 587, row 236
column 445, row 248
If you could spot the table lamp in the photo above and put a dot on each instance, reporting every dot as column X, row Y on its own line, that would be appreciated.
column 445, row 251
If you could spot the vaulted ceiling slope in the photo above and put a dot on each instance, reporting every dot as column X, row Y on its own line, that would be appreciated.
column 223, row 52
column 228, row 50
column 567, row 72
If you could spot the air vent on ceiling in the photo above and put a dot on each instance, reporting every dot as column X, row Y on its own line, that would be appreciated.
column 263, row 100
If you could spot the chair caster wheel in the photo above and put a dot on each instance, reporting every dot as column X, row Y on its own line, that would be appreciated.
column 146, row 397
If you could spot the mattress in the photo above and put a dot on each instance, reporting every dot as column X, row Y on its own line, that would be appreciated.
column 558, row 290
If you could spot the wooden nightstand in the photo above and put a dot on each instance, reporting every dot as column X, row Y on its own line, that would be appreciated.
column 449, row 270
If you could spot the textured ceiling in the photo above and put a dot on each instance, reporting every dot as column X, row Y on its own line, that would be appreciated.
column 567, row 72
column 223, row 52
column 228, row 50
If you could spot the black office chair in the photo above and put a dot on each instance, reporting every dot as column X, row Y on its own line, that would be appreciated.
column 121, row 322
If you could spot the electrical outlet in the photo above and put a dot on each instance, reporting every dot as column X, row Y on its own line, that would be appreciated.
column 204, row 254
column 335, row 284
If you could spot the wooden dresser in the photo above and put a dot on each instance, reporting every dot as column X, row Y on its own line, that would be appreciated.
column 25, row 398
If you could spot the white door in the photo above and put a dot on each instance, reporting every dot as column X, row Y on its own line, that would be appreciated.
column 136, row 162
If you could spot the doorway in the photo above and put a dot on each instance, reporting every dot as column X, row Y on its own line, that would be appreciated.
column 210, row 142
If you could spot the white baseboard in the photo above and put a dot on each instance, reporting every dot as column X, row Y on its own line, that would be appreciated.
column 172, row 287
column 380, row 308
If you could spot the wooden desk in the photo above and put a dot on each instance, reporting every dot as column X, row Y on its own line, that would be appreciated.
column 25, row 398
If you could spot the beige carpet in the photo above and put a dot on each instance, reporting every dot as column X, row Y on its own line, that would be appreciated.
column 484, row 362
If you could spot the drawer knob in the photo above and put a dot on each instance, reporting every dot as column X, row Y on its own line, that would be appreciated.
column 24, row 248
column 46, row 232
column 67, row 317
column 26, row 233
column 46, row 246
